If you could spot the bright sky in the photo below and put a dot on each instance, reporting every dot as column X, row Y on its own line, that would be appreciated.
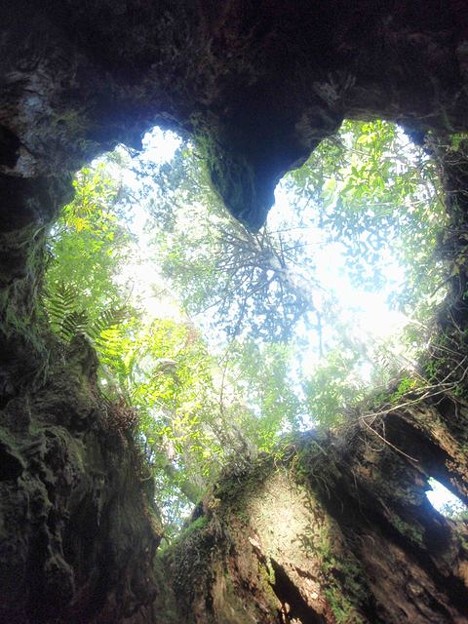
column 441, row 498
column 149, row 287
column 372, row 310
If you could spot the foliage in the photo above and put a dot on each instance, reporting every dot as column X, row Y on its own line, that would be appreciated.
column 377, row 195
column 192, row 419
column 331, row 391
column 258, row 343
column 367, row 197
column 89, row 240
column 87, row 248
column 243, row 279
column 67, row 320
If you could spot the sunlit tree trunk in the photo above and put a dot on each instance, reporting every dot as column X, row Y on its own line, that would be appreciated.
column 338, row 530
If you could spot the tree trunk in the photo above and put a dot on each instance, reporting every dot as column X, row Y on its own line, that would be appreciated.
column 337, row 530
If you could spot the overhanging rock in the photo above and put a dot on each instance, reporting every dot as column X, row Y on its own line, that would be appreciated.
column 258, row 84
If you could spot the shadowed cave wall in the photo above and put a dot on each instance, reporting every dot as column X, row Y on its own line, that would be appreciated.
column 258, row 85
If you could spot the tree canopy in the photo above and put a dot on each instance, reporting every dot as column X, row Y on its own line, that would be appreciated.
column 249, row 336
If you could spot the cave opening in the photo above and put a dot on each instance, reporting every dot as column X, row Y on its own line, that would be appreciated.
column 445, row 502
column 222, row 342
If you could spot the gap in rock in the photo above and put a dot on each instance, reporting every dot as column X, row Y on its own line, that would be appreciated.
column 221, row 341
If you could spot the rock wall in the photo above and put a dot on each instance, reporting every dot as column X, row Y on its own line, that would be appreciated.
column 259, row 83
column 78, row 526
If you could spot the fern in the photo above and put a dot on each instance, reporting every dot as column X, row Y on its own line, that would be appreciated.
column 74, row 323
column 106, row 320
column 59, row 302
column 67, row 319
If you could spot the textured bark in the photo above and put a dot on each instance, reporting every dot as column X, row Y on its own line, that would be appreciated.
column 258, row 84
column 340, row 531
column 78, row 519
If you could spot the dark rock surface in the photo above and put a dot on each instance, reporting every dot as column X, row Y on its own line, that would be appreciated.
column 78, row 527
column 260, row 83
column 339, row 530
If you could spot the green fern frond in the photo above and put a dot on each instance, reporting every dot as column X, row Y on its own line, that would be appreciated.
column 108, row 319
column 74, row 323
column 59, row 301
column 66, row 319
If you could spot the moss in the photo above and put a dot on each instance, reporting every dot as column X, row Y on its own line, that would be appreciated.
column 411, row 531
column 189, row 564
column 197, row 525
column 347, row 589
column 166, row 604
column 458, row 142
column 343, row 611
column 342, row 578
column 235, row 486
